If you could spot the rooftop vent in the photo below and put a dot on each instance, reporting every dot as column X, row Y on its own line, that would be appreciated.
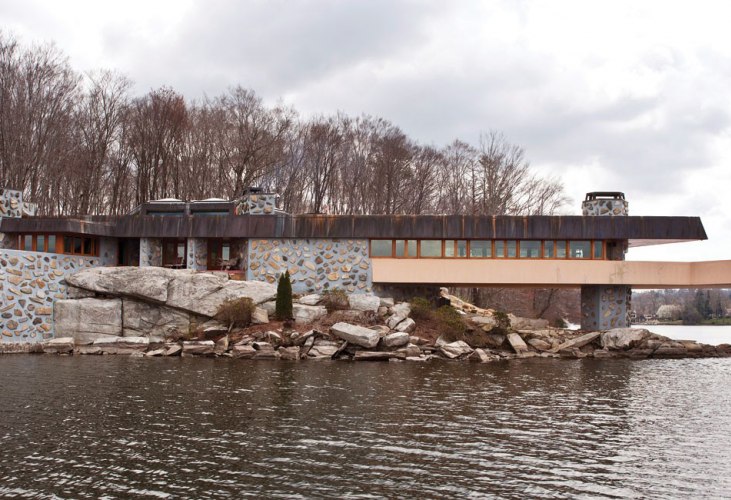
column 604, row 195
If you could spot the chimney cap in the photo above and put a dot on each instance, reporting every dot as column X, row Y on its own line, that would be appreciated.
column 612, row 195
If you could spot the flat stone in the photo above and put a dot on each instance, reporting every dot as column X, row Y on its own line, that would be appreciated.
column 173, row 350
column 578, row 342
column 358, row 335
column 87, row 319
column 155, row 353
column 364, row 302
column 377, row 355
column 310, row 300
column 199, row 347
column 243, row 351
column 387, row 302
column 455, row 349
column 322, row 351
column 516, row 342
column 304, row 314
column 539, row 344
column 407, row 326
column 260, row 316
column 61, row 345
column 480, row 356
column 623, row 338
column 289, row 353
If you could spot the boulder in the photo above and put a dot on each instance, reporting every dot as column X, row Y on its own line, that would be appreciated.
column 486, row 323
column 382, row 330
column 624, row 338
column 539, row 344
column 243, row 351
column 262, row 346
column 579, row 341
column 154, row 353
column 396, row 339
column 213, row 328
column 408, row 325
column 401, row 309
column 199, row 348
column 307, row 314
column 494, row 340
column 310, row 300
column 322, row 351
column 455, row 349
column 393, row 320
column 61, row 345
column 140, row 319
column 364, row 302
column 87, row 319
column 270, row 307
column 518, row 323
column 386, row 302
column 221, row 345
column 289, row 353
column 146, row 283
column 358, row 335
column 260, row 316
column 516, row 342
column 480, row 356
column 410, row 351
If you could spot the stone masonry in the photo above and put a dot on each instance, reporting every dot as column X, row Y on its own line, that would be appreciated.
column 30, row 282
column 150, row 252
column 314, row 265
column 257, row 204
column 605, row 207
column 604, row 307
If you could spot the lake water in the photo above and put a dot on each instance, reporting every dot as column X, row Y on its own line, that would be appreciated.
column 713, row 335
column 115, row 427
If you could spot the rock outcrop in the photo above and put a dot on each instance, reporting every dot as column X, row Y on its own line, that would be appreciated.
column 87, row 319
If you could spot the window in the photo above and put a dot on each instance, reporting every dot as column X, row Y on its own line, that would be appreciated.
column 561, row 249
column 431, row 248
column 598, row 250
column 512, row 248
column 580, row 249
column 480, row 249
column 28, row 243
column 500, row 249
column 173, row 253
column 381, row 248
column 461, row 248
column 51, row 243
column 405, row 248
column 530, row 249
column 548, row 250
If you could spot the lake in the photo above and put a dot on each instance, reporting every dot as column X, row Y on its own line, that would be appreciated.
column 115, row 427
column 706, row 334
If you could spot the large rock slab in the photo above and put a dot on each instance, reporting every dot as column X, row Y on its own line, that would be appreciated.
column 358, row 335
column 396, row 339
column 455, row 349
column 87, row 319
column 203, row 293
column 140, row 319
column 518, row 323
column 148, row 283
column 310, row 300
column 624, row 338
column 516, row 342
column 364, row 302
column 62, row 345
column 199, row 348
column 579, row 341
column 408, row 325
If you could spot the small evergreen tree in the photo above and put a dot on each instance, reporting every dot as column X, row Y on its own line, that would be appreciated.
column 283, row 310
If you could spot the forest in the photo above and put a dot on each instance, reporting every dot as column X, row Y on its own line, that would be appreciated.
column 80, row 144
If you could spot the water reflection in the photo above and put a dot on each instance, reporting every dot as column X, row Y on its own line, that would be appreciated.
column 87, row 427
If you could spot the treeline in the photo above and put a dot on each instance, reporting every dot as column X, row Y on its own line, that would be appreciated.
column 692, row 306
column 82, row 144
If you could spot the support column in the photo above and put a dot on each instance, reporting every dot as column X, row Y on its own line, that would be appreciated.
column 150, row 252
column 604, row 307
column 197, row 258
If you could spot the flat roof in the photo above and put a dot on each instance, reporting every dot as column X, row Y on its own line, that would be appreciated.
column 638, row 230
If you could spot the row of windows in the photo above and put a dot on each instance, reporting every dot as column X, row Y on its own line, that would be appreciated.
column 58, row 243
column 489, row 249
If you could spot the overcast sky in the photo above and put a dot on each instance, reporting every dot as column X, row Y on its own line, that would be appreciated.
column 627, row 96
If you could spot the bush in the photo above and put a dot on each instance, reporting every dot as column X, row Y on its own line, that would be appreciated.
column 335, row 300
column 502, row 322
column 235, row 312
column 283, row 309
column 451, row 324
column 421, row 308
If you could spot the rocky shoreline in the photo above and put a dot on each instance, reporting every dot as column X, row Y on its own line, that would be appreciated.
column 172, row 313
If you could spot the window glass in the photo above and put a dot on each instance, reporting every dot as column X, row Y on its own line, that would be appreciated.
column 461, row 248
column 431, row 248
column 598, row 254
column 530, row 249
column 87, row 246
column 561, row 249
column 68, row 244
column 77, row 246
column 381, row 248
column 28, row 243
column 411, row 247
column 500, row 249
column 449, row 248
column 40, row 243
column 511, row 246
column 400, row 248
column 52, row 243
column 580, row 249
column 548, row 249
column 480, row 248
column 226, row 251
column 181, row 250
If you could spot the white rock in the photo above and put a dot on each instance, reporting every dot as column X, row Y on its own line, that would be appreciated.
column 386, row 302
column 60, row 345
column 408, row 325
column 307, row 314
column 199, row 347
column 577, row 342
column 393, row 320
column 401, row 309
column 310, row 300
column 260, row 316
column 516, row 342
column 396, row 339
column 140, row 319
column 358, row 335
column 87, row 319
column 364, row 302
column 455, row 349
column 623, row 338
column 270, row 307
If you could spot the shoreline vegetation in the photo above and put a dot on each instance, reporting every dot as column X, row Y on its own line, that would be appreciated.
column 185, row 313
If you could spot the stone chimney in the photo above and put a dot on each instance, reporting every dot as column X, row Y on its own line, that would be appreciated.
column 604, row 203
column 12, row 204
column 256, row 202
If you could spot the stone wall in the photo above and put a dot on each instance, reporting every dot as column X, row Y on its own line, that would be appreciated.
column 30, row 282
column 315, row 265
column 604, row 307
column 605, row 207
column 150, row 252
column 257, row 204
column 11, row 203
